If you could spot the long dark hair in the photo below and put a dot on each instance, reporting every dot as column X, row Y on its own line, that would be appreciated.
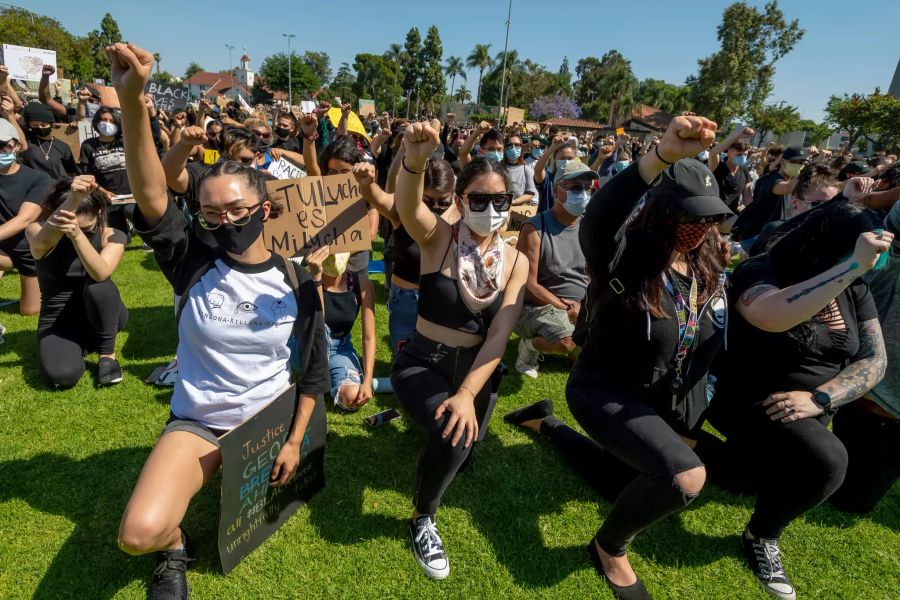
column 341, row 148
column 439, row 176
column 656, row 226
column 94, row 204
column 816, row 240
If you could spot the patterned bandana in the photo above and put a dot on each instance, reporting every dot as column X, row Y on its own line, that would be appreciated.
column 690, row 235
column 478, row 276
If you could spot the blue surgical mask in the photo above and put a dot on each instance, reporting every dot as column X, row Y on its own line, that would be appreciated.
column 6, row 159
column 576, row 201
column 493, row 155
column 740, row 160
column 537, row 152
column 621, row 165
column 703, row 155
column 561, row 164
column 513, row 153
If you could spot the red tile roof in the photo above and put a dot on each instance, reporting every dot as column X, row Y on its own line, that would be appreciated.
column 650, row 116
column 581, row 123
column 245, row 57
column 205, row 78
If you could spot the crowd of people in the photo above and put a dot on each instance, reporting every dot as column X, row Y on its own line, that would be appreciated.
column 687, row 282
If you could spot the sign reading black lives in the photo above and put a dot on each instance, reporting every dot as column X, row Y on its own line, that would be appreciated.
column 168, row 97
column 251, row 509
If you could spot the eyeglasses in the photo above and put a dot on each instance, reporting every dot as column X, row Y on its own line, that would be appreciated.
column 436, row 204
column 479, row 202
column 686, row 219
column 238, row 216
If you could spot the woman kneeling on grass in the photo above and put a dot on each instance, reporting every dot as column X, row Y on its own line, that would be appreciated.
column 470, row 295
column 230, row 366
column 81, row 311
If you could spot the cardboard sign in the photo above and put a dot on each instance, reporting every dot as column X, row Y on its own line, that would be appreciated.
column 515, row 115
column 252, row 510
column 210, row 157
column 366, row 108
column 307, row 106
column 518, row 216
column 168, row 97
column 69, row 135
column 27, row 63
column 85, row 131
column 317, row 211
column 284, row 169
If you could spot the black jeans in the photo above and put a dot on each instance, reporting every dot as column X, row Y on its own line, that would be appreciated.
column 790, row 467
column 633, row 462
column 425, row 374
column 88, row 323
column 873, row 448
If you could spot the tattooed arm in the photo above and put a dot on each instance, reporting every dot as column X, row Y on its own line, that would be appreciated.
column 866, row 370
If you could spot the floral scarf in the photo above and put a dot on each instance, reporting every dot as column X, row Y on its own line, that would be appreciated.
column 478, row 276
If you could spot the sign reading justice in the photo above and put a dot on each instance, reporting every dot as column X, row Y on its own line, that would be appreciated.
column 318, row 211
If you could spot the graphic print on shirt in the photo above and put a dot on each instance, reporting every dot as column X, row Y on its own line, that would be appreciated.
column 717, row 311
column 215, row 300
column 109, row 160
column 279, row 309
column 245, row 307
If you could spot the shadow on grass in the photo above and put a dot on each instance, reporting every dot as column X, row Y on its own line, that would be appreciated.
column 92, row 493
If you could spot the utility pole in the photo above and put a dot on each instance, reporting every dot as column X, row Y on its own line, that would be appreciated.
column 503, row 81
column 289, row 37
column 231, row 68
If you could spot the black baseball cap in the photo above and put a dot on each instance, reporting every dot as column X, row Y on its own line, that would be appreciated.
column 693, row 188
column 795, row 154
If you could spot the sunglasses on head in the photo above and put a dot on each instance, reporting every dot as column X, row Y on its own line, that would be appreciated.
column 479, row 202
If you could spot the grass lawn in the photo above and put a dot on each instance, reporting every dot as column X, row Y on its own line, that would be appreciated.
column 515, row 525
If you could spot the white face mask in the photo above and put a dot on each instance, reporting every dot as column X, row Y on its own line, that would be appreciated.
column 106, row 128
column 576, row 202
column 483, row 223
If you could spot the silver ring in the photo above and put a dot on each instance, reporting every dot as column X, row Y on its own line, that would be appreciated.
column 790, row 410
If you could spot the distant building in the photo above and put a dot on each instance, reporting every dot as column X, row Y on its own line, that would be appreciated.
column 643, row 120
column 244, row 74
column 217, row 84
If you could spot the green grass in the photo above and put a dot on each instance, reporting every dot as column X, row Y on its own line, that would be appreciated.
column 515, row 525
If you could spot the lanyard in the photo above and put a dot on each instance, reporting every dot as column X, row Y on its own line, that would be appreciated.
column 686, row 313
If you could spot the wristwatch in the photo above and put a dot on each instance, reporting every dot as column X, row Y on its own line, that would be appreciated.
column 824, row 401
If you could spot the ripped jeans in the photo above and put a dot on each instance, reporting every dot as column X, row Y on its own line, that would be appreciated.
column 343, row 363
column 632, row 460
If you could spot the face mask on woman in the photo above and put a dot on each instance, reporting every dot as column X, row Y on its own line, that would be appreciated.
column 513, row 153
column 792, row 169
column 108, row 129
column 690, row 235
column 561, row 164
column 335, row 265
column 576, row 202
column 236, row 239
column 485, row 222
column 493, row 155
column 621, row 165
column 537, row 152
column 740, row 160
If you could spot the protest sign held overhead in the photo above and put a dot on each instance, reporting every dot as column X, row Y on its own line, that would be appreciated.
column 168, row 97
column 283, row 169
column 317, row 211
column 27, row 63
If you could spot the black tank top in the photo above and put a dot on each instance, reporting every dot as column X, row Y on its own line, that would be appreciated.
column 60, row 274
column 407, row 257
column 342, row 308
column 441, row 303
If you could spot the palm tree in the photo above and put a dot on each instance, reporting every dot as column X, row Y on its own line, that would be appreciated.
column 621, row 85
column 513, row 64
column 395, row 52
column 463, row 95
column 453, row 68
column 480, row 59
column 157, row 59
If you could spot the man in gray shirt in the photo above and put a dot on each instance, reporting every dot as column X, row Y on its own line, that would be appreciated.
column 557, row 279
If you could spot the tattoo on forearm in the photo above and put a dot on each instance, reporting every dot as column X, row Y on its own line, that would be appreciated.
column 753, row 293
column 823, row 283
column 865, row 372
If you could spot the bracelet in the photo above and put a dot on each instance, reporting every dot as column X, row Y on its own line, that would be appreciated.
column 408, row 170
column 317, row 282
column 462, row 387
column 661, row 159
column 312, row 137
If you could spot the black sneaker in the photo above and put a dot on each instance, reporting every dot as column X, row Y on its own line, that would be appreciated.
column 108, row 371
column 635, row 591
column 428, row 547
column 764, row 557
column 169, row 578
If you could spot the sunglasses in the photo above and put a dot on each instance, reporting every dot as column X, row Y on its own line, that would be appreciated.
column 686, row 219
column 263, row 134
column 479, row 202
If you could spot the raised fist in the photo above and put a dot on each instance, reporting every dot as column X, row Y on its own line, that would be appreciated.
column 308, row 124
column 420, row 141
column 83, row 185
column 193, row 136
column 48, row 71
column 130, row 67
column 364, row 173
column 685, row 137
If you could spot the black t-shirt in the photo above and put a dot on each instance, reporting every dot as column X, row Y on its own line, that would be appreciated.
column 53, row 157
column 758, row 363
column 766, row 206
column 731, row 186
column 292, row 144
column 106, row 162
column 25, row 185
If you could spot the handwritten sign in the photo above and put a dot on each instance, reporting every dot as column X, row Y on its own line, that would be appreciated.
column 69, row 135
column 26, row 63
column 168, row 97
column 317, row 211
column 518, row 216
column 210, row 157
column 284, row 169
column 252, row 510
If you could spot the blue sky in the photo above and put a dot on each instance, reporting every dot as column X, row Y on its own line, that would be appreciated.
column 848, row 46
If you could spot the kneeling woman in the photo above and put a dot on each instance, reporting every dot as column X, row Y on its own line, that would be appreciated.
column 81, row 311
column 654, row 321
column 470, row 294
column 241, row 305
column 804, row 340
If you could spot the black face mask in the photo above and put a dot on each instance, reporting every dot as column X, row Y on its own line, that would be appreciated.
column 282, row 132
column 42, row 132
column 236, row 239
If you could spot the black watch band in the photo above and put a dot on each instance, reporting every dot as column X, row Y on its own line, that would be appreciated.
column 824, row 401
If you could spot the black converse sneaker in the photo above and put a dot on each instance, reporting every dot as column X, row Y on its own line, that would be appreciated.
column 169, row 578
column 428, row 547
column 764, row 557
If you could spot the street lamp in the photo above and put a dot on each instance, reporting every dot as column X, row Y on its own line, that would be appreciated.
column 290, row 36
column 230, row 65
column 500, row 116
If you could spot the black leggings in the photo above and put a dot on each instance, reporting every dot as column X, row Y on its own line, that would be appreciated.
column 425, row 374
column 90, row 322
column 873, row 449
column 790, row 467
column 634, row 464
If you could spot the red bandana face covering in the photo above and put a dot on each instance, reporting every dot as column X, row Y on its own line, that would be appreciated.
column 690, row 235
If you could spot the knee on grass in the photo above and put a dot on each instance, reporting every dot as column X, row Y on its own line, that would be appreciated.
column 63, row 375
column 347, row 391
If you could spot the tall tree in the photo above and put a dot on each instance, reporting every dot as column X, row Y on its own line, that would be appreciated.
column 412, row 65
column 434, row 86
column 776, row 118
column 492, row 84
column 564, row 77
column 875, row 118
column 737, row 79
column 395, row 53
column 343, row 81
column 480, row 59
column 192, row 69
column 453, row 67
column 156, row 60
column 606, row 86
column 274, row 70
column 463, row 94
column 107, row 35
column 24, row 28
column 375, row 76
column 816, row 133
column 320, row 63
column 663, row 95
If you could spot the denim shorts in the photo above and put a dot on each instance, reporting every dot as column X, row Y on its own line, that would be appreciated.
column 343, row 363
column 403, row 309
column 545, row 321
